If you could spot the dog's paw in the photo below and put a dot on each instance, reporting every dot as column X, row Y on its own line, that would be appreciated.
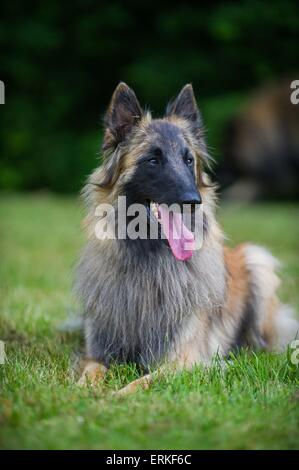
column 93, row 374
column 139, row 384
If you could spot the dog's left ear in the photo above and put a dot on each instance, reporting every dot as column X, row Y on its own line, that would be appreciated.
column 185, row 106
column 123, row 114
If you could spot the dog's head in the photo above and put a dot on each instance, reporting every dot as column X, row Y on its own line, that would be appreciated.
column 154, row 162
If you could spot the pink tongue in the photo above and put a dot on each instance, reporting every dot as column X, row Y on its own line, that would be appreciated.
column 179, row 237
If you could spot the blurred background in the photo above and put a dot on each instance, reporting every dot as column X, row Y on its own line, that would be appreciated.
column 60, row 63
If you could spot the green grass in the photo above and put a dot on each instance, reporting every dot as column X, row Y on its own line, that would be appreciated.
column 252, row 404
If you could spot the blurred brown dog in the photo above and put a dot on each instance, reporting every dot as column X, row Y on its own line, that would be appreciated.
column 261, row 147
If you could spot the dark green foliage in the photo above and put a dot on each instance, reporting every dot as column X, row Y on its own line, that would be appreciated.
column 61, row 61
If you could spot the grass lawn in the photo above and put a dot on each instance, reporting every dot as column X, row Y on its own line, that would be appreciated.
column 253, row 404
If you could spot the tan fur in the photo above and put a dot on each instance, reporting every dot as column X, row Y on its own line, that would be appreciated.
column 269, row 331
column 237, row 279
column 93, row 373
column 143, row 383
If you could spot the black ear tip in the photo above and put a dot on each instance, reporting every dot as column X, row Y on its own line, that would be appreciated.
column 188, row 89
column 121, row 87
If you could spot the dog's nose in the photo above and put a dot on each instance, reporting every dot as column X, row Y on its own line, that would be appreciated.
column 191, row 198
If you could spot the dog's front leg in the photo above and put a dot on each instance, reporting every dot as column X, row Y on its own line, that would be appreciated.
column 142, row 383
column 93, row 373
column 185, row 357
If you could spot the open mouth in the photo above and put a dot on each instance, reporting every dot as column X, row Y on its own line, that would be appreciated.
column 181, row 240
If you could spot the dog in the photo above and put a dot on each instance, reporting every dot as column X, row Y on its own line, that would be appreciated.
column 261, row 147
column 152, row 301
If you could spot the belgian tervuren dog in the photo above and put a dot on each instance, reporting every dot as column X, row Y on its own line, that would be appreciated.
column 152, row 301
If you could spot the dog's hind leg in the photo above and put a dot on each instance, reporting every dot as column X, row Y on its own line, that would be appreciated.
column 93, row 373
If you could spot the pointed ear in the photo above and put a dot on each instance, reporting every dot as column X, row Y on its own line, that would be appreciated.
column 185, row 106
column 123, row 114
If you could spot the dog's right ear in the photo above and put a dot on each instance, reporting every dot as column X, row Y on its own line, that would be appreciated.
column 185, row 106
column 123, row 114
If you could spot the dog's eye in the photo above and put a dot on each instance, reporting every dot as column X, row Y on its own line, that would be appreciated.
column 155, row 156
column 153, row 161
column 188, row 158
